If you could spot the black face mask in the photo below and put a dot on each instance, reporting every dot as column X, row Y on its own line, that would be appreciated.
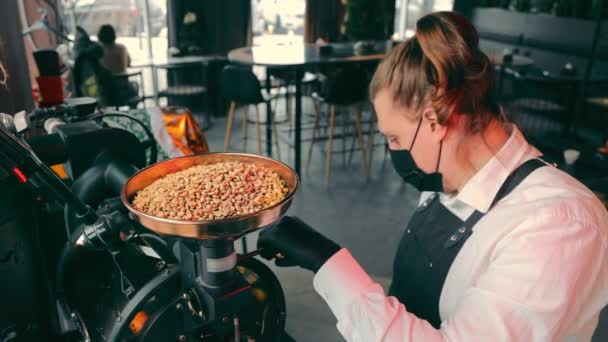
column 406, row 167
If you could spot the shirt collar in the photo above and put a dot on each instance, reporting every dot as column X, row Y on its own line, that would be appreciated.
column 480, row 190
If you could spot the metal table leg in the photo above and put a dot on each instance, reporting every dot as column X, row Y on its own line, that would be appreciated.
column 298, row 119
column 268, row 117
column 208, row 123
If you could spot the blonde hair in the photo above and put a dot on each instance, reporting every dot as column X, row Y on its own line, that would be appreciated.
column 441, row 66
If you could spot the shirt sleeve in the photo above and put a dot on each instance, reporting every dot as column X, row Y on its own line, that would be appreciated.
column 533, row 290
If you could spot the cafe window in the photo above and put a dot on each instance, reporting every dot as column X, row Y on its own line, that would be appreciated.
column 128, row 17
column 277, row 21
column 407, row 12
column 140, row 25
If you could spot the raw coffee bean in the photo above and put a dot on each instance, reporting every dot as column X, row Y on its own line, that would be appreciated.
column 207, row 192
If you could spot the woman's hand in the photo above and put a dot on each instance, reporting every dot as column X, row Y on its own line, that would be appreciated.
column 295, row 243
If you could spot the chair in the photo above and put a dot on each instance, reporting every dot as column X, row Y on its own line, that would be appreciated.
column 591, row 123
column 241, row 86
column 345, row 88
column 124, row 91
column 283, row 78
column 186, row 87
column 541, row 104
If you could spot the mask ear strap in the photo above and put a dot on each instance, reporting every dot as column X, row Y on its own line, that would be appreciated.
column 416, row 134
column 439, row 158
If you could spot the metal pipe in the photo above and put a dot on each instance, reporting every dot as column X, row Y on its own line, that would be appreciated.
column 217, row 262
column 148, row 31
column 25, row 23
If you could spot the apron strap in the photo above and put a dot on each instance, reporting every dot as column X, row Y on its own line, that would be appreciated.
column 514, row 179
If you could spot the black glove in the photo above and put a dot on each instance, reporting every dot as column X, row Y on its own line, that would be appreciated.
column 296, row 243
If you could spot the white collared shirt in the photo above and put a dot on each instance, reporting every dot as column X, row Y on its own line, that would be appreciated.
column 534, row 269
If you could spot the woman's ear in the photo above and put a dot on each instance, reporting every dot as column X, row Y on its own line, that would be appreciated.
column 431, row 118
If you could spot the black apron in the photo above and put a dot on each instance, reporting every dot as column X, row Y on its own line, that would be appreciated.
column 433, row 238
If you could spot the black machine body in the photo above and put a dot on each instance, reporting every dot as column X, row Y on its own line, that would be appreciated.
column 93, row 274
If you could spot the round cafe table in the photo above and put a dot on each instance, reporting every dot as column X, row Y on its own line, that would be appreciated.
column 173, row 63
column 298, row 57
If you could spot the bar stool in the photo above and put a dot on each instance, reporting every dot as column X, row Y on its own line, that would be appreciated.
column 241, row 86
column 187, row 88
column 541, row 104
column 283, row 78
column 346, row 88
column 126, row 92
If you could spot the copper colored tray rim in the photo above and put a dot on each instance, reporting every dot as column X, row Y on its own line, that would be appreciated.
column 231, row 227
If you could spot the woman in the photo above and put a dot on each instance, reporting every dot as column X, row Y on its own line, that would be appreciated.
column 502, row 247
column 115, row 55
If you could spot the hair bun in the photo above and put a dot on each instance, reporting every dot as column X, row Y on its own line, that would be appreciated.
column 464, row 73
column 441, row 66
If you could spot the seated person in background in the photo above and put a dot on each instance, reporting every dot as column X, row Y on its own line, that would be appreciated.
column 115, row 57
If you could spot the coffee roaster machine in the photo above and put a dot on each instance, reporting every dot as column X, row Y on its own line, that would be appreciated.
column 79, row 263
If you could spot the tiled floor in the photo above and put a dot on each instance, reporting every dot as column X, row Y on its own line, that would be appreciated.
column 367, row 216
